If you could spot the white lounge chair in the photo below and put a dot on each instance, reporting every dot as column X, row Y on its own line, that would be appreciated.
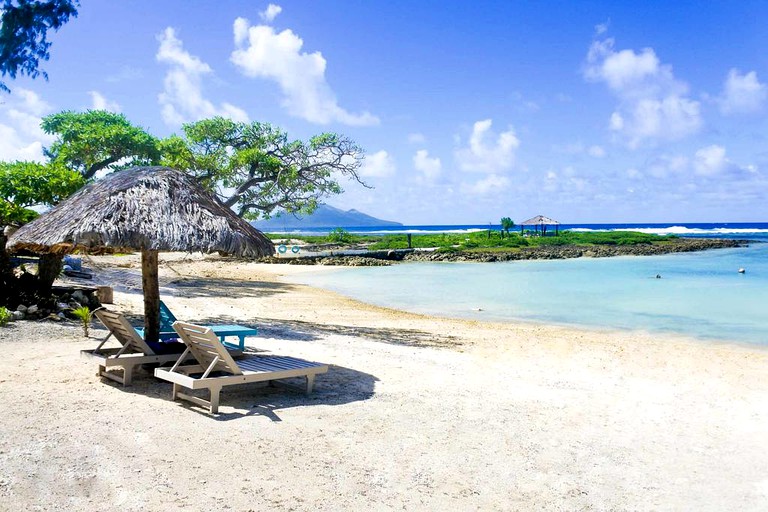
column 215, row 367
column 134, row 351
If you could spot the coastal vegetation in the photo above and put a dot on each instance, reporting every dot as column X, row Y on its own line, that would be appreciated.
column 253, row 168
column 482, row 240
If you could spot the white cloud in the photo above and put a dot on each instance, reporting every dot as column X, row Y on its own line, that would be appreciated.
column 596, row 151
column 378, row 165
column 653, row 104
column 270, row 13
column 99, row 102
column 430, row 167
column 664, row 166
column 416, row 138
column 488, row 185
column 742, row 94
column 710, row 160
column 263, row 53
column 21, row 137
column 484, row 154
column 602, row 28
column 182, row 99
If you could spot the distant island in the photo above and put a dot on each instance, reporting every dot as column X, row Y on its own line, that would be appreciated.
column 324, row 217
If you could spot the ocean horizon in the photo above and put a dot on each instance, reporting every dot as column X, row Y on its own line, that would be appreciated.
column 700, row 294
column 734, row 230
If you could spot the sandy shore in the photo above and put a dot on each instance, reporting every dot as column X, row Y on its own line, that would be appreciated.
column 417, row 413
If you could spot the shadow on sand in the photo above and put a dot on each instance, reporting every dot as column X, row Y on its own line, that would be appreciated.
column 337, row 387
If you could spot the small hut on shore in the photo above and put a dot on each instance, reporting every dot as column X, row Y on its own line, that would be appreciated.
column 540, row 221
column 146, row 208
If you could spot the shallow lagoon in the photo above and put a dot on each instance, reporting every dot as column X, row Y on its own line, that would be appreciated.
column 699, row 294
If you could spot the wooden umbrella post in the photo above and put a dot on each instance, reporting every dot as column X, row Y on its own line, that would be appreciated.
column 151, row 285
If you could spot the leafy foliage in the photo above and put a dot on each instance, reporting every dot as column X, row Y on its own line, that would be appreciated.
column 507, row 224
column 84, row 314
column 256, row 169
column 340, row 235
column 481, row 241
column 95, row 140
column 25, row 184
column 5, row 316
column 24, row 27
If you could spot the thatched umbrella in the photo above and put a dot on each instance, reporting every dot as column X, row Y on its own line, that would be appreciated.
column 148, row 208
column 542, row 221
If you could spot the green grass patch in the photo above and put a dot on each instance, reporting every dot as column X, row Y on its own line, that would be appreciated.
column 481, row 240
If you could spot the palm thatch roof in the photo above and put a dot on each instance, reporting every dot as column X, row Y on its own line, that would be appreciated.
column 148, row 208
column 539, row 220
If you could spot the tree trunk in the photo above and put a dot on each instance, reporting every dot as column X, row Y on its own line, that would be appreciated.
column 5, row 272
column 151, row 285
column 48, row 269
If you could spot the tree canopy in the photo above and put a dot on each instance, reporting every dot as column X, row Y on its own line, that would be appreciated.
column 24, row 26
column 26, row 184
column 507, row 224
column 256, row 169
column 95, row 140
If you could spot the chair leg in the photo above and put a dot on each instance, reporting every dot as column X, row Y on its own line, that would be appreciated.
column 127, row 375
column 215, row 391
column 310, row 383
column 175, row 392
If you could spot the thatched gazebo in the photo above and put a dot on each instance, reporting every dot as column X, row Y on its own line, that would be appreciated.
column 542, row 222
column 146, row 208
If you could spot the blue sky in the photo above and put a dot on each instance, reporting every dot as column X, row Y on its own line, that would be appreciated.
column 581, row 111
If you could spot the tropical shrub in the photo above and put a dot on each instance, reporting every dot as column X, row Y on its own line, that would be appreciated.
column 5, row 316
column 84, row 314
column 339, row 235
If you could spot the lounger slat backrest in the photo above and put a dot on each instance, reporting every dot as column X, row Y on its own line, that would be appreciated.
column 206, row 348
column 123, row 332
column 166, row 318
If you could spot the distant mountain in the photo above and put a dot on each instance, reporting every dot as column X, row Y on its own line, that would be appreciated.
column 324, row 217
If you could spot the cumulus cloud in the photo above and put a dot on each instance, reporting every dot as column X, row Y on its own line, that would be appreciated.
column 270, row 13
column 742, row 94
column 602, row 28
column 664, row 166
column 416, row 138
column 710, row 160
column 378, row 165
column 260, row 52
column 99, row 102
column 430, row 167
column 21, row 137
column 182, row 99
column 653, row 104
column 707, row 162
column 487, row 152
column 488, row 185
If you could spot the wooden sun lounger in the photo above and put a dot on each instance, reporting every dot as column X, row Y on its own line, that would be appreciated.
column 216, row 368
column 134, row 351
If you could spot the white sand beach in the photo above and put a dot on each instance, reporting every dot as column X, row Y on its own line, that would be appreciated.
column 416, row 413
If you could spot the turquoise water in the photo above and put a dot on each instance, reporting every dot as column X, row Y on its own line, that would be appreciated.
column 699, row 294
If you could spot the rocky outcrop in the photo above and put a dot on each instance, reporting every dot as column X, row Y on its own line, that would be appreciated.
column 547, row 252
column 575, row 251
column 349, row 261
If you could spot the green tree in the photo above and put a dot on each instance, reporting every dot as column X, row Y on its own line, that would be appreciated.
column 256, row 169
column 95, row 140
column 23, row 185
column 24, row 26
column 27, row 184
column 507, row 224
